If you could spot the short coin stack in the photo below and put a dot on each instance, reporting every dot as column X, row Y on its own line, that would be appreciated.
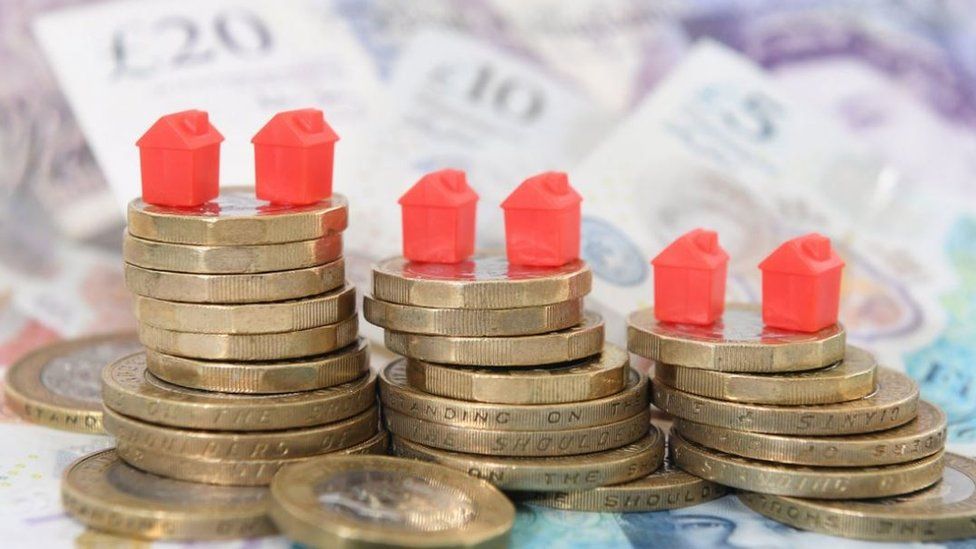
column 507, row 378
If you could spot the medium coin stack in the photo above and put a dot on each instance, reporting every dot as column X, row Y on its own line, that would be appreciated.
column 788, row 414
column 507, row 378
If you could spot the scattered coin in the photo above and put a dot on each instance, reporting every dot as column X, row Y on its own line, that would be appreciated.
column 277, row 346
column 945, row 511
column 263, row 258
column 564, row 442
column 59, row 385
column 739, row 342
column 233, row 472
column 803, row 481
column 586, row 379
column 235, row 288
column 282, row 376
column 550, row 473
column 378, row 501
column 129, row 389
column 893, row 403
column 104, row 493
column 238, row 218
column 483, row 282
column 923, row 436
column 562, row 346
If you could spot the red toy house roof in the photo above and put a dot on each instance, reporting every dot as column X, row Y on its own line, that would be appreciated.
column 443, row 188
column 181, row 130
column 299, row 128
column 546, row 191
column 696, row 249
column 810, row 254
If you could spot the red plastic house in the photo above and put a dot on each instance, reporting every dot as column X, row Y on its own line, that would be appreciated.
column 438, row 218
column 689, row 279
column 801, row 284
column 293, row 158
column 180, row 160
column 542, row 221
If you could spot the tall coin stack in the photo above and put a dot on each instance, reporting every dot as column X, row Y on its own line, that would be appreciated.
column 507, row 378
column 252, row 352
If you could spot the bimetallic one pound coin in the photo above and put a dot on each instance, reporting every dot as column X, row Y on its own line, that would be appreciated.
column 106, row 494
column 238, row 218
column 894, row 402
column 59, row 385
column 804, row 481
column 380, row 501
column 946, row 511
column 562, row 346
column 587, row 379
column 738, row 342
column 482, row 282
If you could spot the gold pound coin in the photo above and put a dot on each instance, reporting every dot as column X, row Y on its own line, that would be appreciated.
column 245, row 347
column 738, row 342
column 563, row 442
column 229, row 472
column 923, row 436
column 945, row 511
column 256, row 318
column 243, row 445
column 482, row 282
column 562, row 346
column 379, row 501
column 235, row 288
column 397, row 395
column 550, row 473
column 849, row 379
column 262, row 258
column 59, row 385
column 284, row 376
column 894, row 402
column 586, row 379
column 129, row 389
column 804, row 481
column 238, row 218
column 104, row 493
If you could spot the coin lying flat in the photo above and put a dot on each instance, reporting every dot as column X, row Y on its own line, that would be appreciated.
column 235, row 288
column 562, row 346
column 483, row 282
column 803, row 481
column 923, row 436
column 262, row 258
column 281, row 376
column 238, row 218
column 397, row 395
column 102, row 492
column 550, row 473
column 849, row 379
column 59, row 385
column 738, row 342
column 243, row 445
column 586, row 379
column 894, row 402
column 945, row 511
column 255, row 318
column 379, row 501
column 276, row 346
column 228, row 472
column 129, row 389
column 563, row 442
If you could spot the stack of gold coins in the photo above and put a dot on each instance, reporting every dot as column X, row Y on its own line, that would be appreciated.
column 507, row 378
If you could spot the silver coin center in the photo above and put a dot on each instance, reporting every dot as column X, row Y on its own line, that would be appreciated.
column 395, row 499
column 954, row 487
column 78, row 374
column 133, row 482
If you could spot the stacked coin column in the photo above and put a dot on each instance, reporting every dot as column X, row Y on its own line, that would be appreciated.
column 252, row 357
column 507, row 378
